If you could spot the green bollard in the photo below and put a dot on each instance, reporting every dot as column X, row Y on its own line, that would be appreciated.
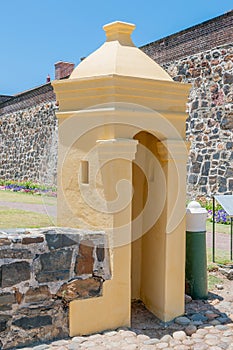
column 196, row 260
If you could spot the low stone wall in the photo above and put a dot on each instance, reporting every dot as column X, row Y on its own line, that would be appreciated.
column 41, row 271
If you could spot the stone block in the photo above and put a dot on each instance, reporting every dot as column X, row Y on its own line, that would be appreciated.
column 55, row 266
column 6, row 307
column 193, row 179
column 56, row 240
column 84, row 261
column 3, row 322
column 227, row 122
column 205, row 168
column 4, row 241
column 15, row 254
column 196, row 167
column 39, row 294
column 14, row 273
column 30, row 240
column 230, row 184
column 203, row 180
column 228, row 78
column 33, row 322
column 7, row 298
column 229, row 172
column 77, row 289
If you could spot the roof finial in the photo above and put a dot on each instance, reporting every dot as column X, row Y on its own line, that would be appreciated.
column 120, row 31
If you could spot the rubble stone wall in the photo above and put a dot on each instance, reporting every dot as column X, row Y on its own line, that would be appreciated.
column 28, row 144
column 209, row 126
column 41, row 271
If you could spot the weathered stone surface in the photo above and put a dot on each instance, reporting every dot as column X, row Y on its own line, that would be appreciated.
column 29, row 147
column 33, row 322
column 100, row 253
column 30, row 240
column 228, row 78
column 54, row 266
column 189, row 330
column 11, row 274
column 3, row 322
column 4, row 241
column 39, row 294
column 90, row 287
column 7, row 298
column 56, row 240
column 15, row 254
column 227, row 123
column 84, row 261
column 182, row 320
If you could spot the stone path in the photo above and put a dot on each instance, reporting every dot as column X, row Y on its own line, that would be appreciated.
column 206, row 325
column 50, row 210
column 222, row 240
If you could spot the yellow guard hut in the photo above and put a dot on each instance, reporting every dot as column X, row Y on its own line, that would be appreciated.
column 122, row 169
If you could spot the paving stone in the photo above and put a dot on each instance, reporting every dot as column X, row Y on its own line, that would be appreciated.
column 190, row 329
column 161, row 345
column 110, row 334
column 41, row 347
column 181, row 347
column 88, row 344
column 187, row 342
column 200, row 346
column 152, row 341
column 166, row 338
column 180, row 335
column 142, row 337
column 78, row 339
column 215, row 322
column 198, row 317
column 61, row 342
column 183, row 321
column 131, row 347
column 73, row 346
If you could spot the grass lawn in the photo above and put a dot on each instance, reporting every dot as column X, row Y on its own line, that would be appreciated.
column 222, row 257
column 213, row 280
column 16, row 218
column 221, row 228
column 9, row 196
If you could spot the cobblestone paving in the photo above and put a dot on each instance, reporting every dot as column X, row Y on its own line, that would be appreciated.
column 212, row 338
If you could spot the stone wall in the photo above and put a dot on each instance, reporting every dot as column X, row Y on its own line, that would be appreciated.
column 41, row 271
column 210, row 123
column 28, row 145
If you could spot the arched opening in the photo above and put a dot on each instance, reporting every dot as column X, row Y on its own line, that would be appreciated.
column 148, row 224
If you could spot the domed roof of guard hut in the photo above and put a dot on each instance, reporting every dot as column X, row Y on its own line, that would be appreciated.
column 119, row 56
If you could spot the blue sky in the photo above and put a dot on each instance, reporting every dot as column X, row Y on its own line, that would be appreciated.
column 37, row 33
